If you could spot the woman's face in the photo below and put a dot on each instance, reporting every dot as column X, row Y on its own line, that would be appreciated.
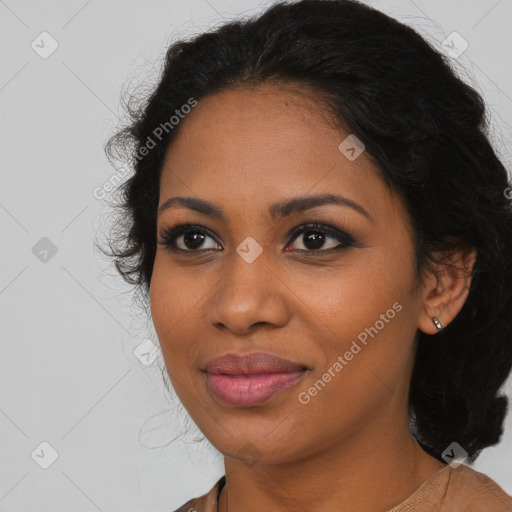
column 338, row 299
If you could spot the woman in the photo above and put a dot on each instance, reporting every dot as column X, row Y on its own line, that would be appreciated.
column 322, row 231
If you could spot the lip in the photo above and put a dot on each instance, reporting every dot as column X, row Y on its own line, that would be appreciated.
column 247, row 380
column 251, row 364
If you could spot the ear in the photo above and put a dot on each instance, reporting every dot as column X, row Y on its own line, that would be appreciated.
column 446, row 287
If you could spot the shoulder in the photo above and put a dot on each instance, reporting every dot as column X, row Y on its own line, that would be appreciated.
column 205, row 503
column 461, row 489
column 480, row 492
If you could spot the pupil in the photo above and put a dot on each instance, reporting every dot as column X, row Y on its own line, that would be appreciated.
column 312, row 240
column 316, row 238
column 193, row 239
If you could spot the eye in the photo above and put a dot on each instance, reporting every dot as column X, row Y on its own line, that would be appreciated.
column 315, row 235
column 192, row 238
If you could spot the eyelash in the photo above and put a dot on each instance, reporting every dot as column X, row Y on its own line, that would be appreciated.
column 168, row 236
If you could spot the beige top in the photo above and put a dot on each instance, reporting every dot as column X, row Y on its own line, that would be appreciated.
column 460, row 489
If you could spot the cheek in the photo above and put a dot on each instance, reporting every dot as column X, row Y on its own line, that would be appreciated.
column 160, row 298
column 172, row 295
column 169, row 309
column 172, row 308
column 353, row 297
column 376, row 354
column 366, row 315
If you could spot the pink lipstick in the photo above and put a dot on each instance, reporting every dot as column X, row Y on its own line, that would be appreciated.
column 247, row 380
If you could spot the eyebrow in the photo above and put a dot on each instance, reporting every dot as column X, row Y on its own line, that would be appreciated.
column 277, row 210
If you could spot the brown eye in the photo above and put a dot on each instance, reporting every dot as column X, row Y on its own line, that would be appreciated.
column 191, row 238
column 185, row 237
column 314, row 238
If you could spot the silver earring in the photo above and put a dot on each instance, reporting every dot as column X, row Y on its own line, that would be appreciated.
column 437, row 323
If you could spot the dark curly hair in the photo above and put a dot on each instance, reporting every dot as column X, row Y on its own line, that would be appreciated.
column 427, row 133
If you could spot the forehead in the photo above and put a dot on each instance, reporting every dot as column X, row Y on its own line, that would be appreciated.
column 251, row 144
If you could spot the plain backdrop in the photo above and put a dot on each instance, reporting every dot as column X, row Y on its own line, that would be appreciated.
column 85, row 422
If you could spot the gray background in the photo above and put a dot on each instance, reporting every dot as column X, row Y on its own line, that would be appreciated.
column 69, row 375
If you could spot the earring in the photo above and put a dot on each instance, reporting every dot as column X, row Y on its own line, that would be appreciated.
column 437, row 323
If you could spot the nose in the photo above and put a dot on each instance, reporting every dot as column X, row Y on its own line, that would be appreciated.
column 247, row 295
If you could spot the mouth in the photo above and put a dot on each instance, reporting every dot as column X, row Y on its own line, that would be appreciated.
column 252, row 379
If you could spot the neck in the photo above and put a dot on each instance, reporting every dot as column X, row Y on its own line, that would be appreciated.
column 372, row 470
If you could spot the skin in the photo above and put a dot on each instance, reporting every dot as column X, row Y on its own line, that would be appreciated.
column 350, row 447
